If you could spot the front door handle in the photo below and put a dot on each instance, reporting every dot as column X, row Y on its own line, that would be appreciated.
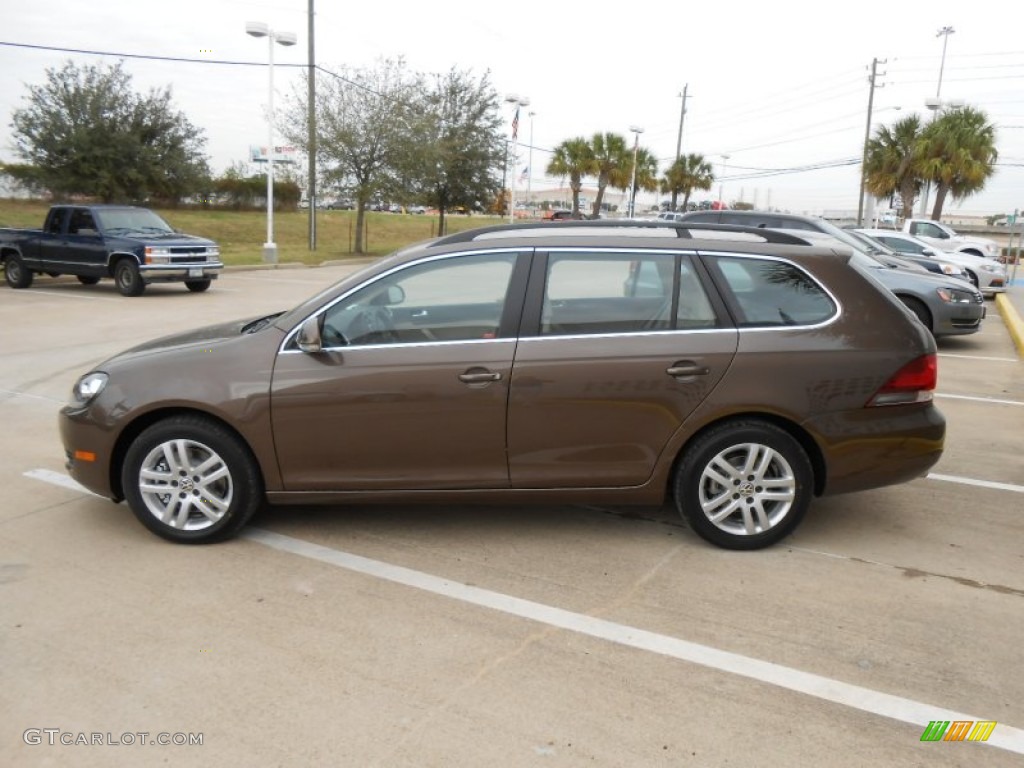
column 479, row 376
column 687, row 369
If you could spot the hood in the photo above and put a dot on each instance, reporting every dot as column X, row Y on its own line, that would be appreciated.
column 207, row 336
column 168, row 240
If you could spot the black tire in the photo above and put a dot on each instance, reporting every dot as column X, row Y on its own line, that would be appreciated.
column 88, row 279
column 126, row 276
column 204, row 511
column 53, row 274
column 972, row 277
column 198, row 286
column 766, row 502
column 15, row 273
column 919, row 309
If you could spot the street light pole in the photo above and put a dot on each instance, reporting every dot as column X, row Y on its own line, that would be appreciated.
column 721, row 181
column 944, row 33
column 529, row 170
column 637, row 130
column 259, row 29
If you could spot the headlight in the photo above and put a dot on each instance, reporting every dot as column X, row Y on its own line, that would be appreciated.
column 87, row 387
column 954, row 297
column 157, row 255
column 951, row 269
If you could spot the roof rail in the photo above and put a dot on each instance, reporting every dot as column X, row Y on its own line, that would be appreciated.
column 682, row 230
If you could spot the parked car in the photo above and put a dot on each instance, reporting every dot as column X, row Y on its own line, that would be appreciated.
column 417, row 209
column 936, row 266
column 134, row 246
column 987, row 275
column 599, row 361
column 947, row 307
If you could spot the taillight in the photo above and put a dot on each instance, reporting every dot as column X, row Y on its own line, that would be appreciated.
column 913, row 383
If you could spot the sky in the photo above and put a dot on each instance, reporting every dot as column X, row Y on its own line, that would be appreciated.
column 777, row 92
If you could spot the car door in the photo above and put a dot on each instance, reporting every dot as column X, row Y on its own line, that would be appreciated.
column 85, row 252
column 618, row 348
column 411, row 389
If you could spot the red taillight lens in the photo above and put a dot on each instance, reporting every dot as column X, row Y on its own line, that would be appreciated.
column 913, row 383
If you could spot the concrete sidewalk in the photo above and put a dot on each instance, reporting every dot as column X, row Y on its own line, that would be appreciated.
column 1011, row 307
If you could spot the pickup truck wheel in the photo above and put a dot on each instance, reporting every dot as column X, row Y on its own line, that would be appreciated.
column 16, row 274
column 88, row 280
column 53, row 274
column 129, row 281
column 197, row 286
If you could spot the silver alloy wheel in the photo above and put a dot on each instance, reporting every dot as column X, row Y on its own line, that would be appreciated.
column 185, row 485
column 747, row 489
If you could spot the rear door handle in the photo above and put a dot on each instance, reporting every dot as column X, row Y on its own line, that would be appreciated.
column 687, row 369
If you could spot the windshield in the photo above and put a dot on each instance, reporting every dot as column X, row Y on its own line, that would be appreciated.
column 125, row 220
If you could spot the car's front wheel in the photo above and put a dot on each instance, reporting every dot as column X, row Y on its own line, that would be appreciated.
column 197, row 286
column 744, row 484
column 190, row 480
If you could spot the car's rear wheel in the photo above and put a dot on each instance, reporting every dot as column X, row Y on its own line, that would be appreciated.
column 197, row 286
column 88, row 279
column 129, row 281
column 744, row 484
column 919, row 309
column 15, row 273
column 190, row 480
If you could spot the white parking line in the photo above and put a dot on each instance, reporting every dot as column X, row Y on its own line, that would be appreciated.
column 980, row 357
column 996, row 400
column 828, row 689
column 16, row 393
column 979, row 483
column 60, row 479
column 62, row 294
column 915, row 713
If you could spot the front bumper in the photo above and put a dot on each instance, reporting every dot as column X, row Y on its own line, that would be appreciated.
column 166, row 273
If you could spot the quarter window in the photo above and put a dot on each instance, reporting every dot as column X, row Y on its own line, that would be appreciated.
column 770, row 292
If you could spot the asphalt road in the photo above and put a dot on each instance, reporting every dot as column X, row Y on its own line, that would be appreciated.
column 443, row 636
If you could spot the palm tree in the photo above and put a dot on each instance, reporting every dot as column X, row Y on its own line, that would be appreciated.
column 959, row 154
column 686, row 174
column 612, row 159
column 572, row 158
column 893, row 162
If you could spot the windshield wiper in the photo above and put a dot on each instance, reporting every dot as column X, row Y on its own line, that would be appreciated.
column 261, row 323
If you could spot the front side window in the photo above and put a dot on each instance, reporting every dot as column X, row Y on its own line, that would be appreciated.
column 768, row 292
column 453, row 299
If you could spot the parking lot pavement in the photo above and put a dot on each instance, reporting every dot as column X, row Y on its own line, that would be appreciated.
column 405, row 636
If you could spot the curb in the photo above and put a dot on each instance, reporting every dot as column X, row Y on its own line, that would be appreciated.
column 1013, row 321
column 359, row 262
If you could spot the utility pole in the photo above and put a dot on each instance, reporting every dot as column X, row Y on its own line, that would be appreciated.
column 311, row 107
column 679, row 138
column 872, row 84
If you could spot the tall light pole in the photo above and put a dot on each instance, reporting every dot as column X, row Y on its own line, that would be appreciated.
column 519, row 101
column 721, row 181
column 637, row 130
column 944, row 33
column 311, row 119
column 529, row 169
column 259, row 29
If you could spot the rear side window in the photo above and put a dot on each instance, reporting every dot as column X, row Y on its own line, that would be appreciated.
column 623, row 293
column 768, row 292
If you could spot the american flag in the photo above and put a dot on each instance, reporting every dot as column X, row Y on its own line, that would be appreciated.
column 515, row 125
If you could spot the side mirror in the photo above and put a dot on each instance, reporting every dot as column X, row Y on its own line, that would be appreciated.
column 928, row 252
column 308, row 338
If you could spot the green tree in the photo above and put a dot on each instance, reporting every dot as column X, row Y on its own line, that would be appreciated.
column 363, row 129
column 613, row 163
column 893, row 162
column 573, row 158
column 455, row 150
column 958, row 154
column 687, row 173
column 86, row 132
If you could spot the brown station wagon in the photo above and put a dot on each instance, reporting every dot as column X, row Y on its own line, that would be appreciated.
column 737, row 372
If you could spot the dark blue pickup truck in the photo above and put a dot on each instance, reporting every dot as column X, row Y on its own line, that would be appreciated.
column 132, row 245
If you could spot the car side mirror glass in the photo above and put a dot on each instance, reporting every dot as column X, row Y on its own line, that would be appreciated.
column 308, row 338
column 396, row 295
